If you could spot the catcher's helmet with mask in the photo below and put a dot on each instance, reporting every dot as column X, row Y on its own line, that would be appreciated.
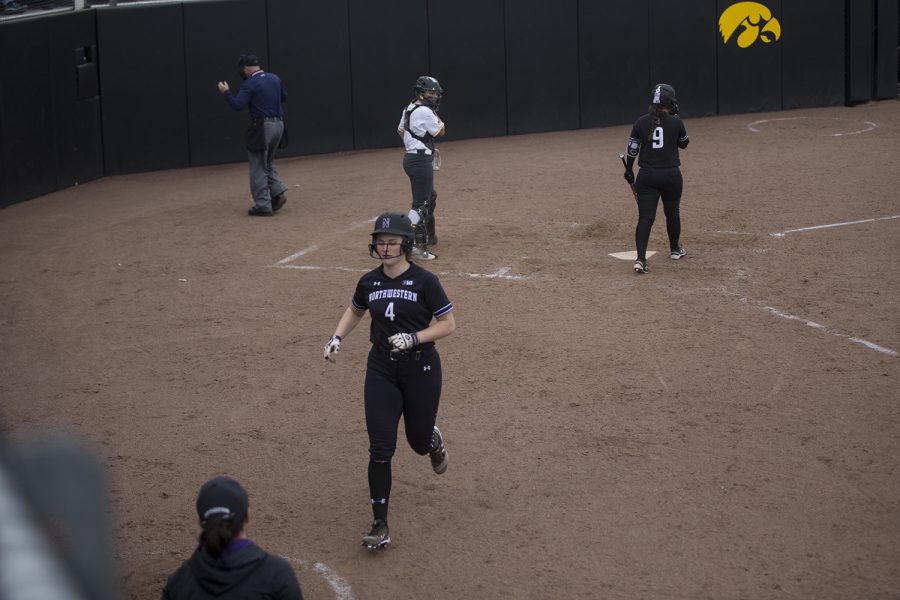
column 426, row 83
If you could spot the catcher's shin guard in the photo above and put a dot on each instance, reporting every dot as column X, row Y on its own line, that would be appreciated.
column 431, row 235
column 421, row 233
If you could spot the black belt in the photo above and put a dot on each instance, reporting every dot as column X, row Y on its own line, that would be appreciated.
column 403, row 356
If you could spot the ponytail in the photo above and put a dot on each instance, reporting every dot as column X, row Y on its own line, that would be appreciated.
column 217, row 534
column 657, row 111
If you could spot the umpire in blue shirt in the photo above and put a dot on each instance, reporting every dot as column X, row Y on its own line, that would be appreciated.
column 264, row 93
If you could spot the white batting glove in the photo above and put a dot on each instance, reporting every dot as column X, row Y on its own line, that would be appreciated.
column 403, row 341
column 332, row 347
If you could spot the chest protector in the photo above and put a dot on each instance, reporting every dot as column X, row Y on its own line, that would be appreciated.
column 426, row 139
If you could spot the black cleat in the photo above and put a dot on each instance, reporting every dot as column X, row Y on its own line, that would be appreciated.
column 379, row 537
column 438, row 455
column 640, row 266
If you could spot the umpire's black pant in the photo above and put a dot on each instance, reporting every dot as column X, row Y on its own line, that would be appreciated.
column 409, row 386
column 650, row 186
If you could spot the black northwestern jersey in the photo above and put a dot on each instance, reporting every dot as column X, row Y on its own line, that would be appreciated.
column 658, row 142
column 404, row 304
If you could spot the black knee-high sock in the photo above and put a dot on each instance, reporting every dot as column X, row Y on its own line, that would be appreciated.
column 379, row 487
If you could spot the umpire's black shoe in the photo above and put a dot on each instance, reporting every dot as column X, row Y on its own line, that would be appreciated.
column 258, row 212
column 378, row 537
column 278, row 201
column 438, row 453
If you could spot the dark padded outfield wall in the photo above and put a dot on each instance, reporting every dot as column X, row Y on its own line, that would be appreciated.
column 813, row 54
column 215, row 35
column 886, row 51
column 26, row 112
column 468, row 58
column 614, row 62
column 683, row 53
column 144, row 102
column 77, row 141
column 542, row 65
column 388, row 51
column 749, row 67
column 309, row 48
column 860, row 50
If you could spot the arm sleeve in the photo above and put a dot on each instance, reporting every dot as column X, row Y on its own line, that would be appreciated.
column 243, row 96
column 683, row 139
column 634, row 143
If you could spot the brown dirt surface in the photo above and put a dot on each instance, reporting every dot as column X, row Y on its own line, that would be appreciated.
column 724, row 427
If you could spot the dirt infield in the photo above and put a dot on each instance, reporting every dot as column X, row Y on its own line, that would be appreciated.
column 725, row 427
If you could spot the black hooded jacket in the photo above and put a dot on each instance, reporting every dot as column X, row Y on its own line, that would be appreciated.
column 250, row 574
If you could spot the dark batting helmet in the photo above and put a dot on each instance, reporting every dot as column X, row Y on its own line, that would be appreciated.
column 426, row 83
column 663, row 94
column 397, row 224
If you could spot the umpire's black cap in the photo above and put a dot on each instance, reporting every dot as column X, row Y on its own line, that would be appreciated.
column 222, row 497
column 248, row 60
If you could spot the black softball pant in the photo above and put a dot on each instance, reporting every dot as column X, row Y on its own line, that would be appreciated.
column 650, row 186
column 419, row 169
column 407, row 387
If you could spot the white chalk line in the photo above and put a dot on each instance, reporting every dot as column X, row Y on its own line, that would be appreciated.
column 297, row 255
column 284, row 263
column 824, row 329
column 501, row 273
column 830, row 225
column 870, row 124
column 320, row 268
column 342, row 590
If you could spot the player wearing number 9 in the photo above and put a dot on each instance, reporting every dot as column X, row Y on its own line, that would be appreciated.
column 409, row 311
column 655, row 139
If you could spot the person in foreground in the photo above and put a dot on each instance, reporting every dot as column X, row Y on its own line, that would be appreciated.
column 227, row 565
column 409, row 311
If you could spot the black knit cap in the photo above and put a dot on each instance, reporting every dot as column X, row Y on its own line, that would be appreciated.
column 222, row 497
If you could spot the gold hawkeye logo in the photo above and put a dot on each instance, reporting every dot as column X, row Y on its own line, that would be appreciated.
column 757, row 22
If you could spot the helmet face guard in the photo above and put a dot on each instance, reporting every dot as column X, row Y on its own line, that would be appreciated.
column 663, row 95
column 393, row 223
column 426, row 83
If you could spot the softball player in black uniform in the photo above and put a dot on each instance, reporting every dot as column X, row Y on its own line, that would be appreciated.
column 419, row 125
column 409, row 311
column 657, row 136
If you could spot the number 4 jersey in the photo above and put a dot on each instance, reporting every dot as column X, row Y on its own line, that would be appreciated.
column 658, row 141
column 404, row 304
